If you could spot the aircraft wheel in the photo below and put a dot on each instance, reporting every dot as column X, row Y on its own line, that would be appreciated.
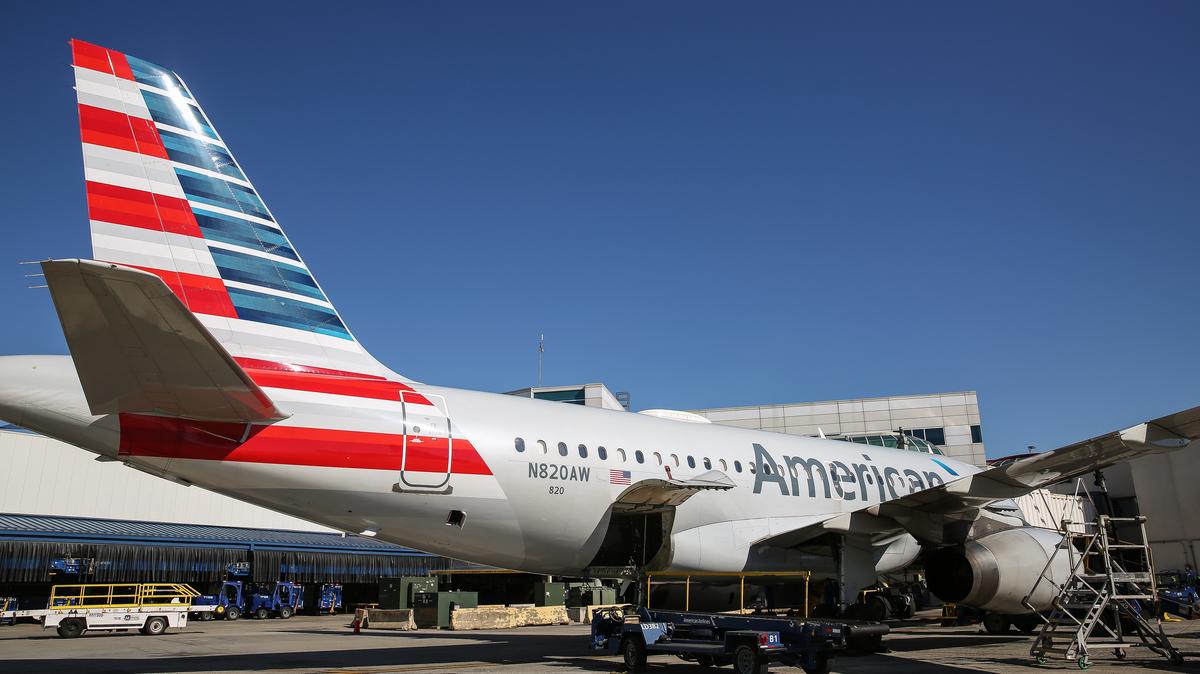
column 633, row 651
column 996, row 623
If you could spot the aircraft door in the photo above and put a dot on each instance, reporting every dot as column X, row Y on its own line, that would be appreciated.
column 428, row 444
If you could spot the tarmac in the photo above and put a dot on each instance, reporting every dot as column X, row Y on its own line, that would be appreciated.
column 327, row 644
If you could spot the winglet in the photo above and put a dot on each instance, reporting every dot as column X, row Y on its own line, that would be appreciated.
column 138, row 349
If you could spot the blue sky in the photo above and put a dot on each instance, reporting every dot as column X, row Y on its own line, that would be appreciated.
column 706, row 204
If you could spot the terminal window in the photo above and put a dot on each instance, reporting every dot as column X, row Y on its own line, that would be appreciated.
column 976, row 434
column 936, row 436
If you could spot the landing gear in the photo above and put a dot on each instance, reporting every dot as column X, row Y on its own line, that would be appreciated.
column 996, row 623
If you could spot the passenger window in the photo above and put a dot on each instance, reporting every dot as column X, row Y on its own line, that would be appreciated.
column 520, row 443
column 562, row 449
column 691, row 462
column 542, row 446
column 658, row 458
column 621, row 454
column 707, row 464
column 751, row 464
column 779, row 468
column 602, row 453
column 583, row 451
column 766, row 469
column 724, row 466
column 641, row 458
column 737, row 465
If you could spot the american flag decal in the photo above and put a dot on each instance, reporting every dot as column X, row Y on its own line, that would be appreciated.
column 618, row 476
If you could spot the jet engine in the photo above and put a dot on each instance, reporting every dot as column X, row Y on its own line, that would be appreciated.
column 997, row 571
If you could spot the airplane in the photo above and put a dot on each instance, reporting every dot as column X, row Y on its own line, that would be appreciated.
column 203, row 351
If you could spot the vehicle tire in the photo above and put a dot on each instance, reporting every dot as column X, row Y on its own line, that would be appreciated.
column 746, row 660
column 705, row 661
column 823, row 665
column 907, row 610
column 233, row 613
column 286, row 612
column 633, row 652
column 996, row 623
column 262, row 614
column 154, row 626
column 71, row 628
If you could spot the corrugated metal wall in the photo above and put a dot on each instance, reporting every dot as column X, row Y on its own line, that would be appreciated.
column 29, row 562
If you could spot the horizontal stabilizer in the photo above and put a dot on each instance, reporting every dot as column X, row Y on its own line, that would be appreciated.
column 138, row 349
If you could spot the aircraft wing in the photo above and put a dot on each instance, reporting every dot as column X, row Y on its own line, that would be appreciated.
column 138, row 349
column 947, row 513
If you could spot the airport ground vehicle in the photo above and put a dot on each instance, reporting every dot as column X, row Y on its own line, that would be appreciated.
column 278, row 599
column 228, row 602
column 330, row 598
column 151, row 608
column 1177, row 595
column 748, row 642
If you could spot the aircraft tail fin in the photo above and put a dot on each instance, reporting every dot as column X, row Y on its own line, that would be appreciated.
column 166, row 196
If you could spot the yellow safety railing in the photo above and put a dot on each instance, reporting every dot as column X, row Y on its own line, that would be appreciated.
column 687, row 578
column 117, row 595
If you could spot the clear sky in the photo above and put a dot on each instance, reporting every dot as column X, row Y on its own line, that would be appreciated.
column 706, row 204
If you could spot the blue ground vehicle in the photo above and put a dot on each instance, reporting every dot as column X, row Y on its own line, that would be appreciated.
column 331, row 598
column 1177, row 594
column 748, row 642
column 229, row 600
column 277, row 599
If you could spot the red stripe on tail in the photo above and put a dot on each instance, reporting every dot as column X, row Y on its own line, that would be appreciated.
column 113, row 129
column 135, row 208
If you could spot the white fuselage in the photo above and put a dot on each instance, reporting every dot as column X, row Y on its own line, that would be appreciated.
column 544, row 509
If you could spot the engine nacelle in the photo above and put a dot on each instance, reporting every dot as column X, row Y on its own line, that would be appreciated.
column 995, row 572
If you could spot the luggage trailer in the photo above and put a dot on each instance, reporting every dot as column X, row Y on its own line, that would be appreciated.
column 748, row 642
column 151, row 608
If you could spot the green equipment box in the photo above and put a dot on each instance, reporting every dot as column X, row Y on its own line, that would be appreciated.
column 591, row 595
column 549, row 594
column 397, row 592
column 432, row 609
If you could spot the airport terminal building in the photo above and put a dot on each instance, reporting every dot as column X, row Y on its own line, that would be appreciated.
column 948, row 421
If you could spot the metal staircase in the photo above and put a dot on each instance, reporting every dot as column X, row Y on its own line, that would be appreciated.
column 1107, row 596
